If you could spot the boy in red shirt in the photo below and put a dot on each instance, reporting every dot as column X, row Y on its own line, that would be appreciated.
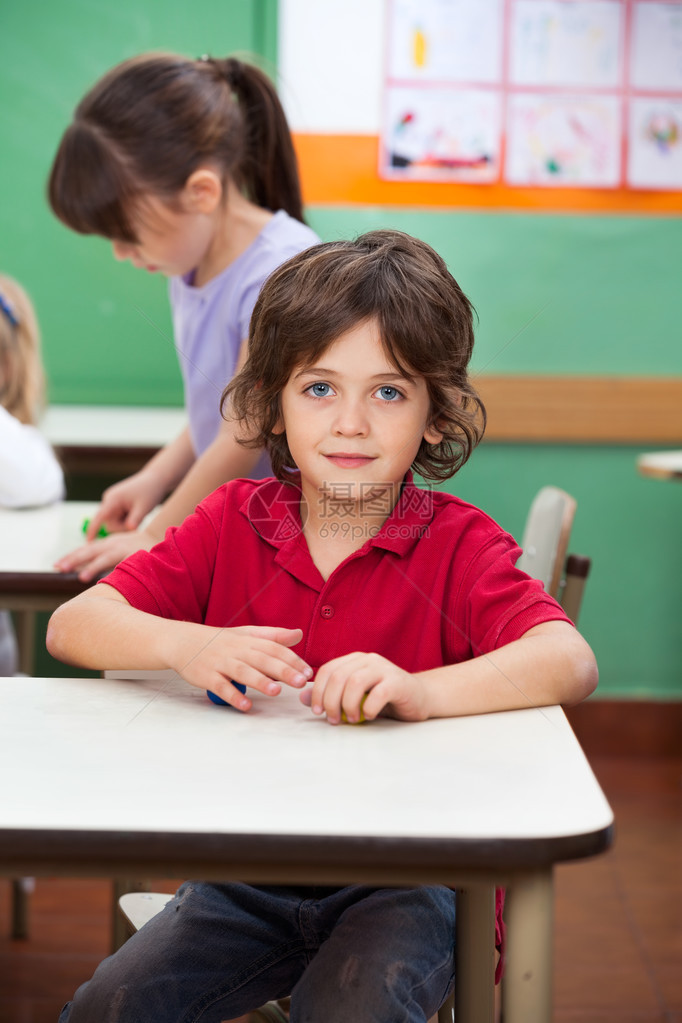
column 393, row 600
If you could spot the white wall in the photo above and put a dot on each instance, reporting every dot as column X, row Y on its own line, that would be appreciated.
column 331, row 55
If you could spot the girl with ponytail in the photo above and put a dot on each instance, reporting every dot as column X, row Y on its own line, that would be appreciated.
column 188, row 168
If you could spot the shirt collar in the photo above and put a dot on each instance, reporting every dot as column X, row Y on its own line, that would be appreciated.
column 274, row 511
column 408, row 521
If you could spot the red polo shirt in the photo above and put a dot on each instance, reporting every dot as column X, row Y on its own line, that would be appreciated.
column 436, row 585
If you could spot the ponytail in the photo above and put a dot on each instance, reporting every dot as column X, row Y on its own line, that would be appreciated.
column 268, row 170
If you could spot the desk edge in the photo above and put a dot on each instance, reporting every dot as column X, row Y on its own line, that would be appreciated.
column 255, row 857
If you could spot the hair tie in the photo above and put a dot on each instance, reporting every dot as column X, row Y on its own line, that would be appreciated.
column 229, row 69
column 233, row 72
column 8, row 311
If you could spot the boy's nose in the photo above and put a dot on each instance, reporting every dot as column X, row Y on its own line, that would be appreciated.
column 351, row 419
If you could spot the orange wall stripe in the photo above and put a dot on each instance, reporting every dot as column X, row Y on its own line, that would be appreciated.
column 344, row 169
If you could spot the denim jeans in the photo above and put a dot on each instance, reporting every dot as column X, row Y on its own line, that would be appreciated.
column 345, row 955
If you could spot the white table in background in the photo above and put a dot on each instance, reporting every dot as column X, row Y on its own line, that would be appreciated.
column 662, row 465
column 114, row 440
column 31, row 540
column 149, row 779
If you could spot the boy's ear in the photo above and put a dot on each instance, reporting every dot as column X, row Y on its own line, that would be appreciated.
column 432, row 435
column 202, row 192
column 278, row 428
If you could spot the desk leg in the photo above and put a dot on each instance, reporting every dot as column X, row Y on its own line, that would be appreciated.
column 475, row 954
column 25, row 622
column 527, row 984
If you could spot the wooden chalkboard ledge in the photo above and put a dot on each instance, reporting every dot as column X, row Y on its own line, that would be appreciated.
column 582, row 409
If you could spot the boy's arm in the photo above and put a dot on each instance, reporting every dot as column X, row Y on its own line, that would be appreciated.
column 549, row 664
column 99, row 629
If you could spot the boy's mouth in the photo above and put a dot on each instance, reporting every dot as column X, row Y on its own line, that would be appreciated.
column 349, row 459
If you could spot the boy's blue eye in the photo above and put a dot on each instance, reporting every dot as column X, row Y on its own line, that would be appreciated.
column 319, row 390
column 389, row 393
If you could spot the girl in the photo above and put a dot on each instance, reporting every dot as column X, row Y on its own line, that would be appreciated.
column 188, row 168
column 29, row 472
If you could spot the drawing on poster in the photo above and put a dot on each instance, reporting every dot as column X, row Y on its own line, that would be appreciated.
column 442, row 134
column 569, row 44
column 445, row 41
column 557, row 140
column 657, row 46
column 655, row 144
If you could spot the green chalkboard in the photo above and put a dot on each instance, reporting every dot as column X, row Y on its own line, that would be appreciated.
column 106, row 327
column 555, row 294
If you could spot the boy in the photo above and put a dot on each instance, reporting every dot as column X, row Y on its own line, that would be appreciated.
column 391, row 599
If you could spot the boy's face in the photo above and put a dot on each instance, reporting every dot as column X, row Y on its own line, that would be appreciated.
column 353, row 422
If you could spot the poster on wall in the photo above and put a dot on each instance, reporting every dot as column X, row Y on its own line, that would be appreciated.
column 445, row 40
column 542, row 93
column 436, row 133
column 655, row 153
column 563, row 140
column 566, row 44
column 441, row 122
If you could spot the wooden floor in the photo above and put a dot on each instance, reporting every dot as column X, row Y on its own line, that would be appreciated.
column 618, row 942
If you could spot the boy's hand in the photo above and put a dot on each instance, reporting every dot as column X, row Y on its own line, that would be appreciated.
column 340, row 686
column 257, row 656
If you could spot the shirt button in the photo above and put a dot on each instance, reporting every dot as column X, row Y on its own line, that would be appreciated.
column 327, row 611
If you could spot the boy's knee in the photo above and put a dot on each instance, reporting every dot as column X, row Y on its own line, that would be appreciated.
column 369, row 992
column 119, row 992
column 89, row 1006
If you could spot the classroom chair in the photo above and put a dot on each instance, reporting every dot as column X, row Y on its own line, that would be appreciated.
column 546, row 534
column 544, row 556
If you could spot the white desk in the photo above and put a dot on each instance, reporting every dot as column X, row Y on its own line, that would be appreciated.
column 113, row 440
column 663, row 465
column 31, row 540
column 124, row 778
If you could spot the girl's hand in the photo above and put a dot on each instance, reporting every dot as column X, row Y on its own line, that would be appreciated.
column 340, row 686
column 257, row 656
column 92, row 559
column 125, row 504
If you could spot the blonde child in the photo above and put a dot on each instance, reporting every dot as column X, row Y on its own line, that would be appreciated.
column 29, row 471
column 188, row 168
column 392, row 599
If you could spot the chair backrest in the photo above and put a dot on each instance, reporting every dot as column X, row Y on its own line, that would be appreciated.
column 545, row 537
column 545, row 545
column 139, row 907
